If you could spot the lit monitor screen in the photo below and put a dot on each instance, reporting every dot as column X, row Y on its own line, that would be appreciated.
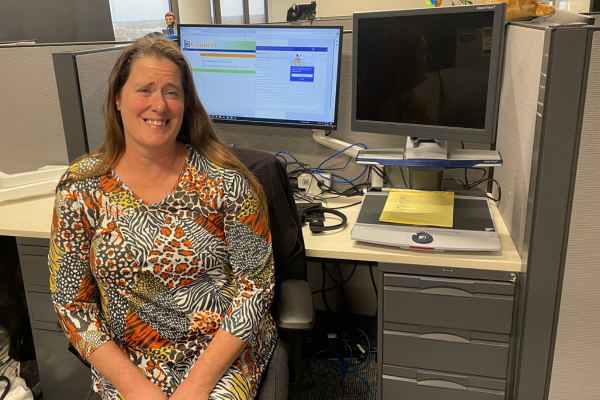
column 266, row 75
column 429, row 73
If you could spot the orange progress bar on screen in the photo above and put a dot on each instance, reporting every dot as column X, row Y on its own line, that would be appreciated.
column 228, row 55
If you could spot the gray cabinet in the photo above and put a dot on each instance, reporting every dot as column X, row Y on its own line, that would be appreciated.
column 62, row 375
column 444, row 338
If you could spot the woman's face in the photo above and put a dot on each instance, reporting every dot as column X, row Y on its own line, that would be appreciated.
column 151, row 103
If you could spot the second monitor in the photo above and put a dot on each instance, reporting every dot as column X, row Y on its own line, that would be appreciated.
column 429, row 73
column 267, row 75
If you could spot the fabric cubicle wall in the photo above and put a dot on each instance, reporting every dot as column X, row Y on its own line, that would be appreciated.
column 31, row 125
column 516, row 124
column 96, row 66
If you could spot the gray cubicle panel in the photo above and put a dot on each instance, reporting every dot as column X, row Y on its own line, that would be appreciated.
column 32, row 131
column 576, row 365
column 82, row 82
column 542, row 108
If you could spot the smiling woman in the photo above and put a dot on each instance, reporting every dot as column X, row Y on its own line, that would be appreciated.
column 161, row 261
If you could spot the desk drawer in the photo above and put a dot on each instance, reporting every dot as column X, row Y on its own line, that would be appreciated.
column 452, row 303
column 42, row 308
column 433, row 387
column 35, row 269
column 444, row 352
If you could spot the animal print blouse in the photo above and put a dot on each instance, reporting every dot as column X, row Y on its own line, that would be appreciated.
column 161, row 279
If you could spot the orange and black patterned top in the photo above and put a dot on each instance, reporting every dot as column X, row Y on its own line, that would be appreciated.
column 161, row 279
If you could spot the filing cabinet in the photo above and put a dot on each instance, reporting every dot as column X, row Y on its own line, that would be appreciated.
column 444, row 337
column 62, row 375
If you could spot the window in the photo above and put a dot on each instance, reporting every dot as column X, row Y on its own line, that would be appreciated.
column 232, row 12
column 257, row 11
column 238, row 12
column 133, row 19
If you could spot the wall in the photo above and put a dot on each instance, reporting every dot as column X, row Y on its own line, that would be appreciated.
column 31, row 128
column 194, row 11
column 56, row 21
column 516, row 125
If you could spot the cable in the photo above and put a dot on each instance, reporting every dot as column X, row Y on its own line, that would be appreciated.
column 403, row 178
column 349, row 205
column 341, row 284
column 317, row 171
column 373, row 280
column 323, row 287
column 7, row 388
column 499, row 192
column 341, row 287
column 342, row 367
column 340, row 152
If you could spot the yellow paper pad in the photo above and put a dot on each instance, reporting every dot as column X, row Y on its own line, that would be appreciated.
column 416, row 207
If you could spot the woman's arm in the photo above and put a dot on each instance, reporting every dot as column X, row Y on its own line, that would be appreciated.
column 208, row 370
column 248, row 239
column 111, row 362
column 74, row 288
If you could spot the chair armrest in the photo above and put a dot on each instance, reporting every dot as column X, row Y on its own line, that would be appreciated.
column 296, row 309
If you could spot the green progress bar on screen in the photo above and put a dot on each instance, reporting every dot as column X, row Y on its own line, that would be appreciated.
column 226, row 71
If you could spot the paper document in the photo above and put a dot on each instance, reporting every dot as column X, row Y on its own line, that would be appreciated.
column 415, row 207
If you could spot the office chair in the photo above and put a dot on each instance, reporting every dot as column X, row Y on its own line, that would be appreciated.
column 293, row 305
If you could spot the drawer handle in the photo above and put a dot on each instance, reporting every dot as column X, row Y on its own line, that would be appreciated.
column 447, row 291
column 441, row 384
column 446, row 337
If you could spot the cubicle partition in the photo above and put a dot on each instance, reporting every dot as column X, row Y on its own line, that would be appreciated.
column 31, row 127
column 576, row 358
column 550, row 86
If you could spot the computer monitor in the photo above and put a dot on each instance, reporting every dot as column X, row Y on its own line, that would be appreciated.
column 429, row 73
column 266, row 75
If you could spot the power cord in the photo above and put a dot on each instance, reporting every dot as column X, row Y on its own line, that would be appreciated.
column 302, row 168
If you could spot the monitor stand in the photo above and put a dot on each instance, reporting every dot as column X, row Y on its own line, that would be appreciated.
column 425, row 159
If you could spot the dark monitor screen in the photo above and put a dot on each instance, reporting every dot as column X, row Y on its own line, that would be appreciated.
column 427, row 69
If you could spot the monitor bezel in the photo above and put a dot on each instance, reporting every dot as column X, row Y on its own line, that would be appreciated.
column 279, row 123
column 488, row 133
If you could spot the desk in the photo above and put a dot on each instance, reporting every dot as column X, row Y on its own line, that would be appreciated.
column 32, row 218
column 337, row 244
column 409, row 306
column 445, row 319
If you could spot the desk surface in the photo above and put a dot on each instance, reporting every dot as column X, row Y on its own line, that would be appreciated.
column 32, row 217
column 337, row 244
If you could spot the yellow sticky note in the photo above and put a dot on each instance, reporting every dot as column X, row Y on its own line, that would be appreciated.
column 415, row 207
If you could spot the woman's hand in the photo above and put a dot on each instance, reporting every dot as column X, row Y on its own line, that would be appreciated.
column 188, row 392
column 145, row 392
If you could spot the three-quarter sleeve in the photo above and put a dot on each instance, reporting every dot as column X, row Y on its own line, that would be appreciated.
column 248, row 239
column 71, row 281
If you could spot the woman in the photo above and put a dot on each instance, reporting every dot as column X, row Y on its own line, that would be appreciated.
column 161, row 263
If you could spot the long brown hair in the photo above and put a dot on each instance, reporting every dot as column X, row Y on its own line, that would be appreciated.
column 197, row 129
